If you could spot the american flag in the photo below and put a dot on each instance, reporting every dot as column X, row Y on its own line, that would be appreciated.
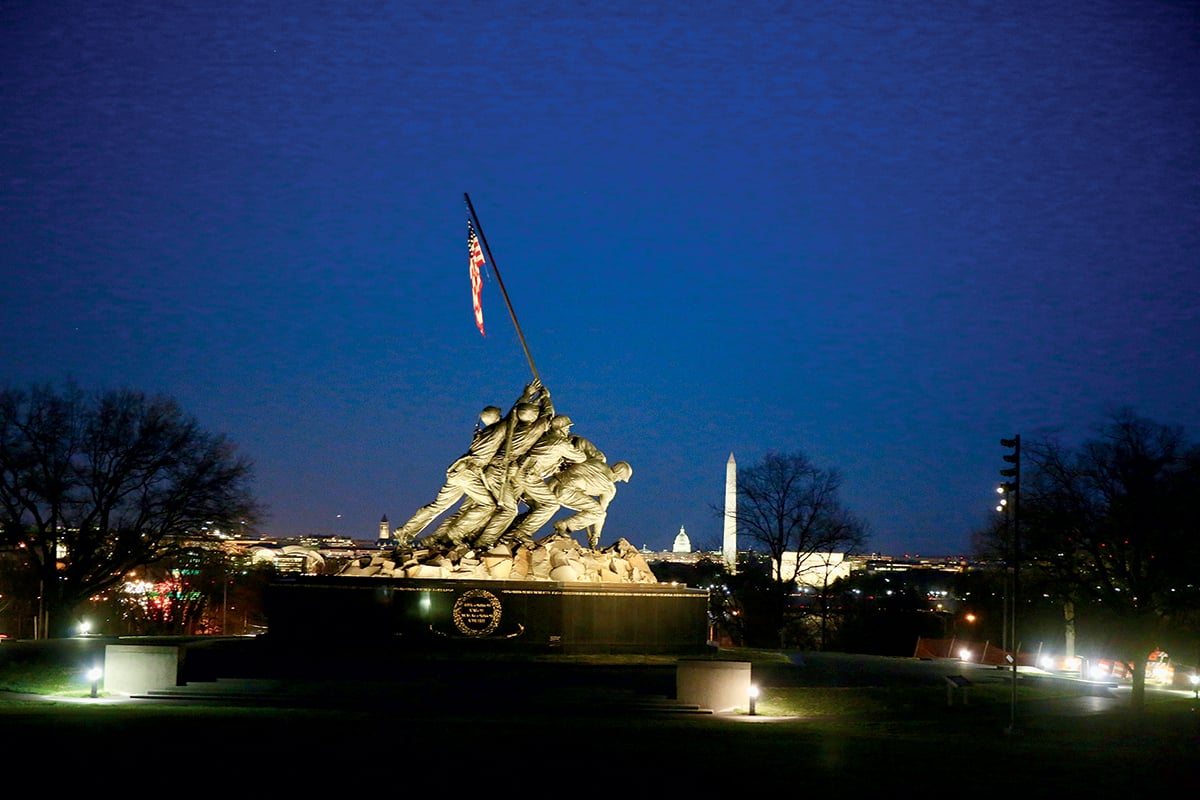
column 476, row 276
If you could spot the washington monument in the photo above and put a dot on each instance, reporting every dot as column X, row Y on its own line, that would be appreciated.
column 729, row 547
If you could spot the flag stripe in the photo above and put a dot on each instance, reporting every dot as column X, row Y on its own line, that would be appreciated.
column 477, row 261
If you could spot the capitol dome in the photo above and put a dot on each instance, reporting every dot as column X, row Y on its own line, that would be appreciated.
column 682, row 543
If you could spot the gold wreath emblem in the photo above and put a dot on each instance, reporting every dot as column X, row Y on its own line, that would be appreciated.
column 477, row 613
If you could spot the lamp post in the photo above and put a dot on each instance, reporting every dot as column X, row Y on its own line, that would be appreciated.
column 1002, row 508
column 1012, row 517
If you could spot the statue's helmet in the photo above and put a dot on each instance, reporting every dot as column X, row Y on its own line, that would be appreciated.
column 527, row 412
column 562, row 422
column 490, row 415
column 622, row 471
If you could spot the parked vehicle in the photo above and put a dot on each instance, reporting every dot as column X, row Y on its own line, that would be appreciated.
column 1159, row 668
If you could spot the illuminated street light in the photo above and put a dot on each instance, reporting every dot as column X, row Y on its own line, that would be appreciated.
column 753, row 698
column 94, row 675
column 1012, row 521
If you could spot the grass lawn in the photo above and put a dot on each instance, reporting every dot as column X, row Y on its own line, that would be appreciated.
column 471, row 731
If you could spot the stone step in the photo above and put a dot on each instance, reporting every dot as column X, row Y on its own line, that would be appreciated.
column 232, row 690
column 284, row 693
column 601, row 699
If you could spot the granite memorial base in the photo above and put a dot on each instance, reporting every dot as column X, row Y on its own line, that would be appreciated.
column 131, row 669
column 720, row 685
column 531, row 616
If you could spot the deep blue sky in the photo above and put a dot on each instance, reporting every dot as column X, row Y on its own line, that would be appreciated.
column 881, row 234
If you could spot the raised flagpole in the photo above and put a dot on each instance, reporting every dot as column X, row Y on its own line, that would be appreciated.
column 500, row 281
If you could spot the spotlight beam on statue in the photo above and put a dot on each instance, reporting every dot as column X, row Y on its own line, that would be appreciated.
column 500, row 281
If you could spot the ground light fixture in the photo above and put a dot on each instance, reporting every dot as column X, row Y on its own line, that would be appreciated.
column 753, row 699
column 94, row 675
column 1195, row 679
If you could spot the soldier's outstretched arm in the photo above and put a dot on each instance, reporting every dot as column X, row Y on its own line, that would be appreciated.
column 531, row 390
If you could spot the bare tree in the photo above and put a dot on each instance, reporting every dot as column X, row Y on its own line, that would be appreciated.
column 788, row 505
column 1114, row 526
column 91, row 487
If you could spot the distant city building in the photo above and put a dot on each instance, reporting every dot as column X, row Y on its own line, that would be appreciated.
column 881, row 563
column 815, row 570
column 834, row 566
column 672, row 557
column 290, row 558
column 682, row 543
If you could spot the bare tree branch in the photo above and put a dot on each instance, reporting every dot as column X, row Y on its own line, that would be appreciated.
column 93, row 487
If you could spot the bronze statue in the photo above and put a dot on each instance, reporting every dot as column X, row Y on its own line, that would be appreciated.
column 526, row 458
column 466, row 476
column 546, row 457
column 588, row 487
column 482, row 525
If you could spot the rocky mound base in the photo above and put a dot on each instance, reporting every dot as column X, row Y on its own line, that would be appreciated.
column 558, row 557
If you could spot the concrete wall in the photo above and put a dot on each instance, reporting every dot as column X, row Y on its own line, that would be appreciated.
column 718, row 685
column 133, row 669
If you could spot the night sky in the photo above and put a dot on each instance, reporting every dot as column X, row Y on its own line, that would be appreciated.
column 880, row 234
